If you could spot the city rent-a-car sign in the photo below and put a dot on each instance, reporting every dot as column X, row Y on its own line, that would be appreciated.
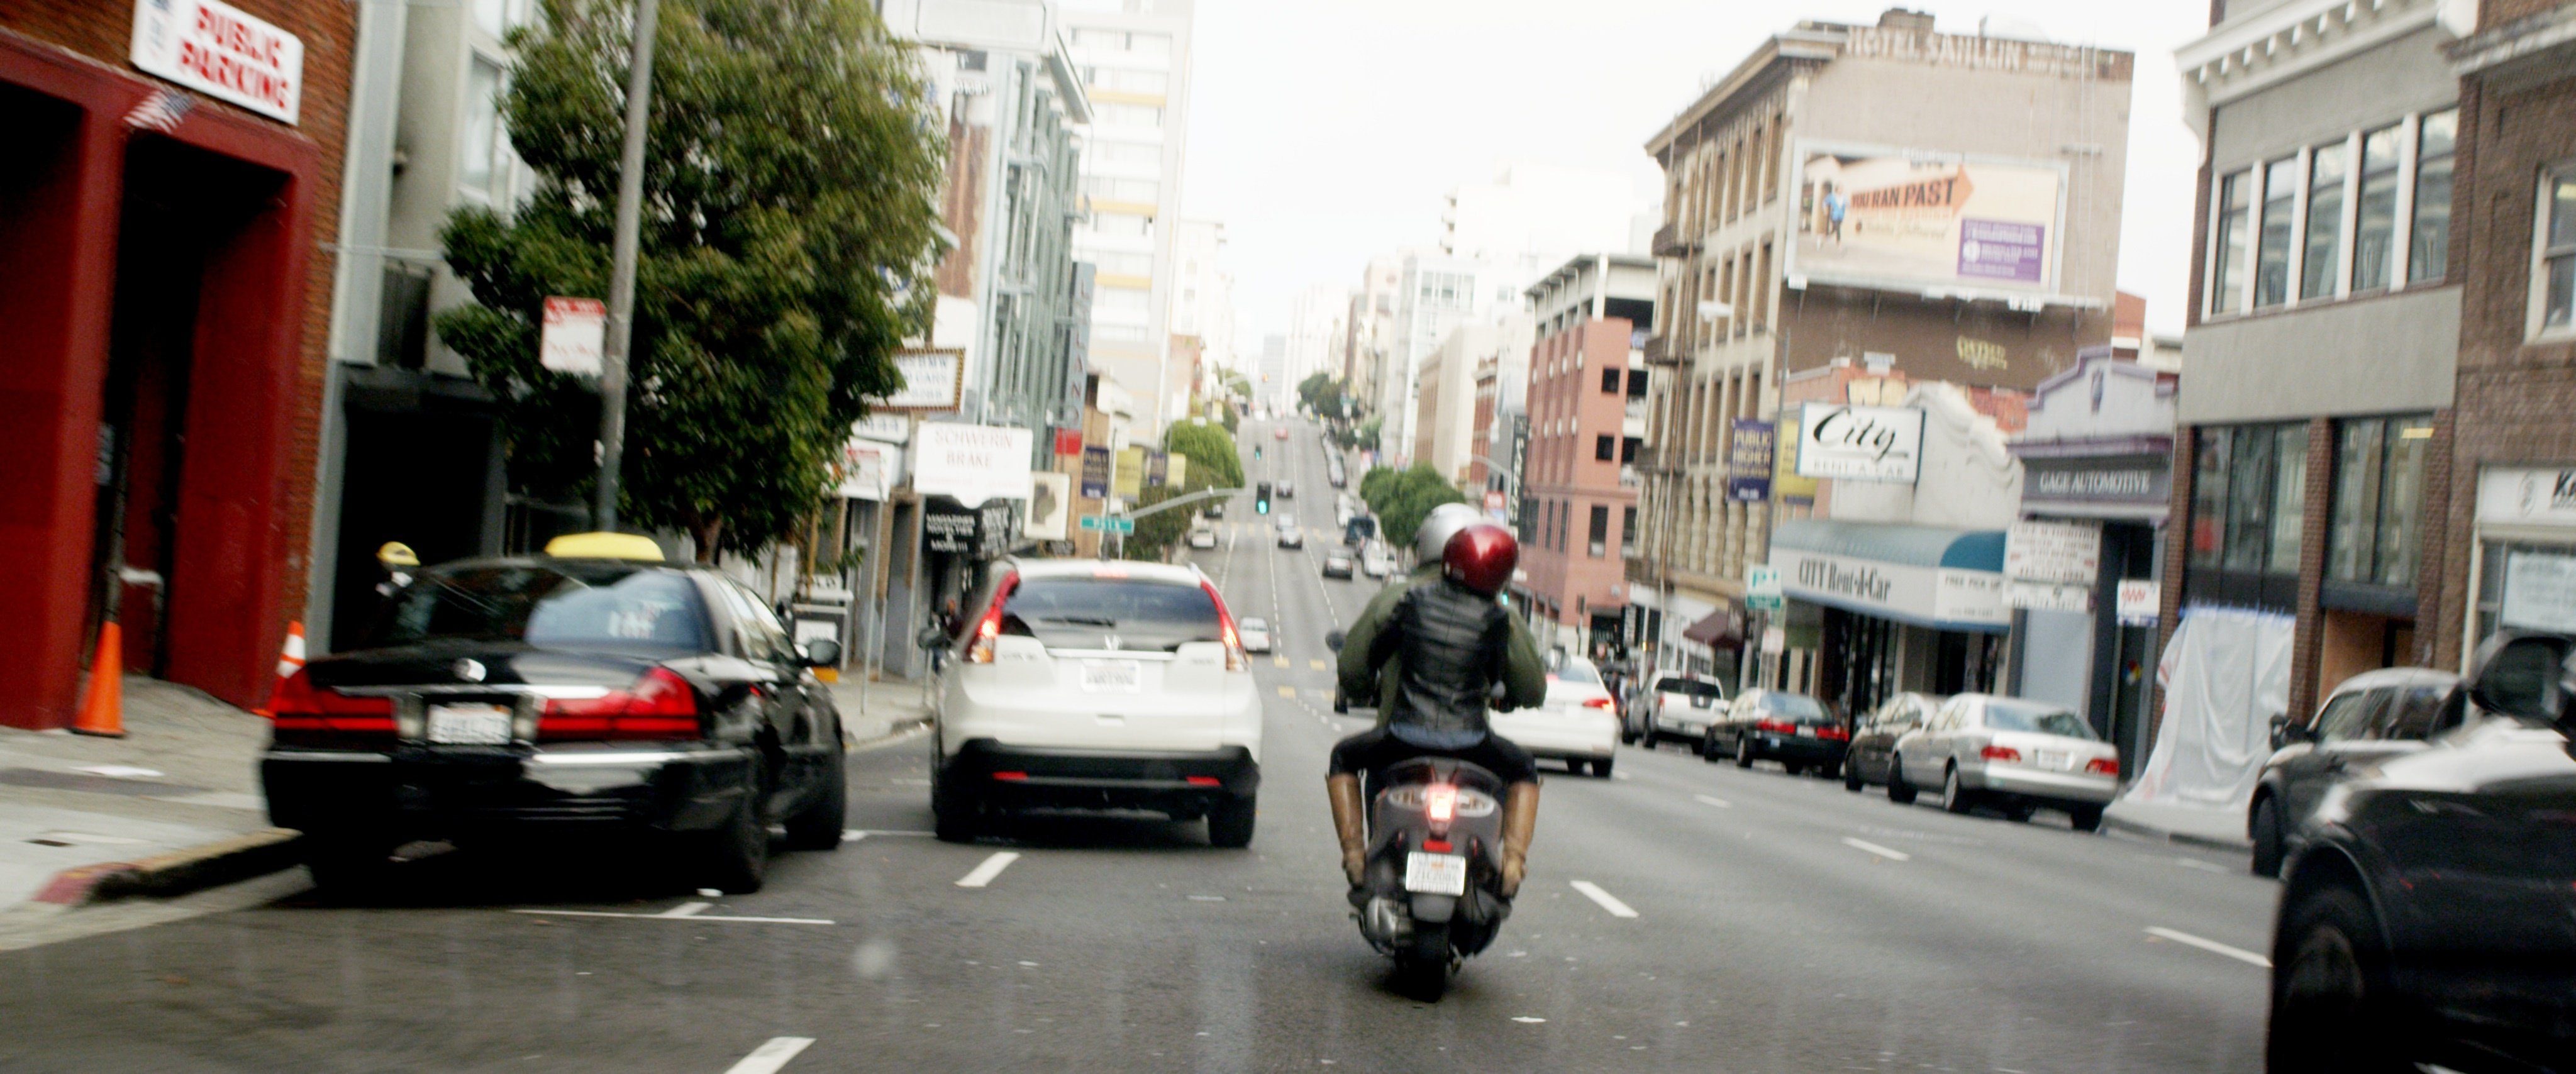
column 216, row 49
column 1860, row 443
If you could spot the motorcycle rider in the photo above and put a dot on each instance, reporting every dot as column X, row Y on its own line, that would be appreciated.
column 1439, row 654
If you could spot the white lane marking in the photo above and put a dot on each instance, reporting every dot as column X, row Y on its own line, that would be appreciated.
column 2204, row 866
column 1721, row 803
column 695, row 917
column 856, row 833
column 1891, row 855
column 1608, row 901
column 770, row 1056
column 991, row 868
column 2212, row 946
column 852, row 835
column 686, row 909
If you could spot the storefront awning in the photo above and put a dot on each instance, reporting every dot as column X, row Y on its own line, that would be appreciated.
column 1928, row 576
column 1721, row 629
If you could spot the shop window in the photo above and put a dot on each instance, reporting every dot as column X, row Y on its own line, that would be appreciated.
column 2428, row 253
column 2319, row 268
column 2226, row 278
column 2376, row 533
column 2556, row 278
column 481, row 131
column 2272, row 255
column 2375, row 237
column 2508, row 595
column 2247, row 489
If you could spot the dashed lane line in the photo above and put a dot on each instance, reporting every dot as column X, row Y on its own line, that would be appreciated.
column 1608, row 901
column 2212, row 946
column 1720, row 803
column 1873, row 848
column 771, row 1055
column 687, row 911
column 992, row 867
column 1287, row 691
column 1318, row 665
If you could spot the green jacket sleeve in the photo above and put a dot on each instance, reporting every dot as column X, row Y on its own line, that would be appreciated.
column 1524, row 673
column 1357, row 677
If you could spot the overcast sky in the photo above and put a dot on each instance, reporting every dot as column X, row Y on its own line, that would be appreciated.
column 1324, row 131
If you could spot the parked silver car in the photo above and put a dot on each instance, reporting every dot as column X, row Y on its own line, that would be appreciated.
column 2019, row 756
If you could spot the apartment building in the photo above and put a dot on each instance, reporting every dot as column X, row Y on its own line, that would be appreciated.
column 2322, row 342
column 1586, row 402
column 1845, row 196
column 1133, row 59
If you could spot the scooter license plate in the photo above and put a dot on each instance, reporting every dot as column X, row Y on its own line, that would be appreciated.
column 1435, row 874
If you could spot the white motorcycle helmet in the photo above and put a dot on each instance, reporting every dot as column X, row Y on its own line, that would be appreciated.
column 1444, row 522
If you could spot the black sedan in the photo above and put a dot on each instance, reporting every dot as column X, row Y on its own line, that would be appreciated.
column 1796, row 730
column 504, row 699
column 1873, row 740
column 2428, row 914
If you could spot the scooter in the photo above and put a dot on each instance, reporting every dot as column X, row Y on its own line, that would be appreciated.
column 1434, row 880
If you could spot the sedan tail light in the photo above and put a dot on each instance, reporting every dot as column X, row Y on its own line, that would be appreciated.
column 2102, row 766
column 1782, row 727
column 1602, row 703
column 660, row 705
column 1833, row 732
column 301, row 706
column 2006, row 754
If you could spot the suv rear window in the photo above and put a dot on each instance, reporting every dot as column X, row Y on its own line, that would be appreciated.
column 576, row 604
column 1085, row 613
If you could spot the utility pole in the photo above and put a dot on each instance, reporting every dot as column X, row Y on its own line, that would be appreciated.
column 621, row 272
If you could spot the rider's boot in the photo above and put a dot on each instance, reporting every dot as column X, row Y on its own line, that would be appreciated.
column 1520, row 819
column 1350, row 825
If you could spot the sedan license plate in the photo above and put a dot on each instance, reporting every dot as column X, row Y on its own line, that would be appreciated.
column 1806, row 732
column 1435, row 874
column 2052, row 759
column 1122, row 675
column 477, row 725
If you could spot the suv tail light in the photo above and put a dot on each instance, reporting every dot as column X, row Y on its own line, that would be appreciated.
column 2103, row 766
column 660, row 705
column 979, row 650
column 301, row 706
column 2006, row 754
column 1234, row 658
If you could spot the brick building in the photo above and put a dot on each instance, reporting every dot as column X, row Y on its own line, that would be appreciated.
column 1587, row 411
column 166, row 224
column 2510, row 539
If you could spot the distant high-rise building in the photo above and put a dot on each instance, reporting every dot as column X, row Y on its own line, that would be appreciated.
column 1203, row 299
column 1133, row 57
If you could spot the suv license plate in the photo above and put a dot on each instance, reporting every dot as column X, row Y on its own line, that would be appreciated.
column 1123, row 675
column 478, row 725
column 1435, row 874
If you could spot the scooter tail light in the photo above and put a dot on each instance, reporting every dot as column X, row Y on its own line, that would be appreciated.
column 1440, row 803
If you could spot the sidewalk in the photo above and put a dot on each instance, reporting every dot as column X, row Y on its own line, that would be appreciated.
column 178, row 793
column 2221, row 829
column 892, row 707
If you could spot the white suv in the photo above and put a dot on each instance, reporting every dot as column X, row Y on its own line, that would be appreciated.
column 1086, row 684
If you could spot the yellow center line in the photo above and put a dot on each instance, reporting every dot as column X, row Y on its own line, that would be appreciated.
column 1319, row 665
column 1287, row 691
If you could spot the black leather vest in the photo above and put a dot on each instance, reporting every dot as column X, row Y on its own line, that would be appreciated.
column 1449, row 641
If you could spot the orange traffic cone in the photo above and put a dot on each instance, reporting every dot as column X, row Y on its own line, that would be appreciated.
column 290, row 659
column 102, row 709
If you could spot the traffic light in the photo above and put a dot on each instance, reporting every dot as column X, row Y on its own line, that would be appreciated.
column 1256, row 453
column 1261, row 498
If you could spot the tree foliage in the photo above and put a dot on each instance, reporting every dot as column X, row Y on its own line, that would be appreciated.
column 1157, row 533
column 1401, row 499
column 789, row 232
column 1210, row 451
column 1322, row 395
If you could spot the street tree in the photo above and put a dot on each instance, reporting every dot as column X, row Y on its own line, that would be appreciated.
column 1209, row 450
column 1402, row 498
column 789, row 235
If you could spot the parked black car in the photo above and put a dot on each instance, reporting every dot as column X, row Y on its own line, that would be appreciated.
column 2428, row 915
column 503, row 699
column 1873, row 739
column 2372, row 716
column 1796, row 730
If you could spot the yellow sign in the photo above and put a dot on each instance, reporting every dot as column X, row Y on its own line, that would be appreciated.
column 1131, row 472
column 1786, row 485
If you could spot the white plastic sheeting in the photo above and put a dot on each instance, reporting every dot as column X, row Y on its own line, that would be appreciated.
column 2225, row 674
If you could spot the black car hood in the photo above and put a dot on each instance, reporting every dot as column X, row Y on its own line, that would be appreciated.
column 501, row 663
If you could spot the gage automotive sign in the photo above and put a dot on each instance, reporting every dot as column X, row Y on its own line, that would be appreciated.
column 1860, row 443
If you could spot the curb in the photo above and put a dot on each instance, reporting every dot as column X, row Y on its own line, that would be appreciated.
column 2182, row 838
column 895, row 732
column 178, row 872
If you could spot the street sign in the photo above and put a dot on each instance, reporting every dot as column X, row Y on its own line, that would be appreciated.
column 1762, row 589
column 573, row 334
column 1110, row 523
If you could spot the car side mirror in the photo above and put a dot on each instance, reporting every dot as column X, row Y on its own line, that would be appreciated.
column 821, row 653
column 2518, row 674
column 2284, row 732
column 931, row 637
column 1333, row 640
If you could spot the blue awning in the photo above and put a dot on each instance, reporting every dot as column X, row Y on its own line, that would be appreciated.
column 1917, row 546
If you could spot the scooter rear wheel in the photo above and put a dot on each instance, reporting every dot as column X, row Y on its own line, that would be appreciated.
column 1422, row 968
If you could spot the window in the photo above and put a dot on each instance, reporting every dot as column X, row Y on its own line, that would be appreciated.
column 1122, row 41
column 2248, row 486
column 2318, row 270
column 571, row 603
column 1605, row 447
column 1128, row 224
column 2376, row 533
column 1627, row 529
column 2235, row 198
column 1610, row 381
column 1120, row 264
column 1127, row 115
column 2348, row 717
column 1112, row 188
column 1126, row 153
column 2272, row 256
column 2375, row 236
column 481, row 130
column 2428, row 253
column 1628, row 448
column 2557, row 275
column 1597, row 531
column 1125, row 80
column 1120, row 300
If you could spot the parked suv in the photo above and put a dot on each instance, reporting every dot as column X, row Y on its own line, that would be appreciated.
column 1083, row 684
column 2372, row 716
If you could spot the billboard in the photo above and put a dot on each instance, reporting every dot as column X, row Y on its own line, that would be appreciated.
column 1748, row 462
column 932, row 380
column 1892, row 218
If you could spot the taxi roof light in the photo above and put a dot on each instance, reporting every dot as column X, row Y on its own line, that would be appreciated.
column 605, row 546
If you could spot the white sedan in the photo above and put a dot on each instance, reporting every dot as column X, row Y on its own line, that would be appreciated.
column 1255, row 634
column 1577, row 724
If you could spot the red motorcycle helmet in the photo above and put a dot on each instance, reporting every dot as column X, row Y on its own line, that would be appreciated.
column 1481, row 557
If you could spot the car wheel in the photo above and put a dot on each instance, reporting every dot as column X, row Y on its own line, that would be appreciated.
column 1898, row 790
column 2085, row 818
column 2267, row 837
column 346, row 869
column 1851, row 777
column 1954, row 798
column 1601, row 768
column 1708, row 748
column 734, row 858
column 1229, row 822
column 1743, row 751
column 953, row 811
column 2329, row 993
column 819, row 826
